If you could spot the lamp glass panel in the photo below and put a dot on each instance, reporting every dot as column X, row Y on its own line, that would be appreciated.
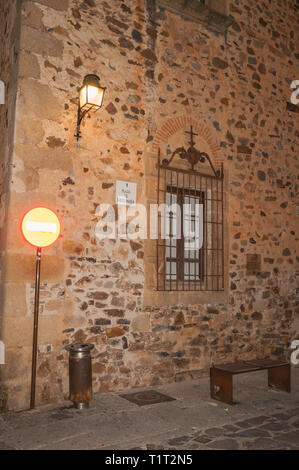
column 95, row 95
column 83, row 96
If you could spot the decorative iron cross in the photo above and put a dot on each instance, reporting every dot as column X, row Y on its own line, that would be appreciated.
column 192, row 155
column 192, row 134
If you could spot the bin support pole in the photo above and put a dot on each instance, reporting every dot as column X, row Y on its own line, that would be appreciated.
column 35, row 328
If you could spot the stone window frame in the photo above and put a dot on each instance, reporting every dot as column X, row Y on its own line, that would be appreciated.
column 152, row 296
column 176, row 179
column 212, row 13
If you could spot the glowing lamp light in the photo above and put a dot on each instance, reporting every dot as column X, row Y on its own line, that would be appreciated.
column 91, row 96
column 41, row 227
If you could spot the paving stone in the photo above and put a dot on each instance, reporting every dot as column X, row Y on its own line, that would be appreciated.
column 214, row 432
column 224, row 444
column 257, row 420
column 4, row 446
column 263, row 443
column 276, row 427
column 179, row 440
column 202, row 439
column 254, row 432
column 194, row 446
column 243, row 424
column 154, row 447
column 282, row 416
column 290, row 437
column 229, row 428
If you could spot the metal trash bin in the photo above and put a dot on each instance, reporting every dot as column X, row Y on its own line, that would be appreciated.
column 80, row 374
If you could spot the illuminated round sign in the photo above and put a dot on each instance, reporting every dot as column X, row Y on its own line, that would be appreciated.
column 41, row 227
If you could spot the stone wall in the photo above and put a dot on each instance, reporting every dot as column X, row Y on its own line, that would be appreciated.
column 9, row 35
column 161, row 72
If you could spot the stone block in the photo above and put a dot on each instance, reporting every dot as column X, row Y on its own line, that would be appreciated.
column 19, row 206
column 45, row 158
column 29, row 131
column 19, row 393
column 60, row 5
column 72, row 247
column 28, row 65
column 253, row 264
column 20, row 267
column 114, row 332
column 17, row 332
column 141, row 322
column 17, row 362
column 32, row 15
column 49, row 330
column 38, row 100
column 40, row 42
column 218, row 5
column 14, row 299
column 30, row 178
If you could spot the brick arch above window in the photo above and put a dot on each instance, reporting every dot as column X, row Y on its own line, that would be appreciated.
column 174, row 125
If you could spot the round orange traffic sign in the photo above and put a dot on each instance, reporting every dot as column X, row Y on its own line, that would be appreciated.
column 41, row 227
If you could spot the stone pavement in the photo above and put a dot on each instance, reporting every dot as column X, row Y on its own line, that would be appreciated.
column 263, row 419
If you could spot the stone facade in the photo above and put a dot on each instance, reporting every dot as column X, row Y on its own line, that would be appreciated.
column 162, row 71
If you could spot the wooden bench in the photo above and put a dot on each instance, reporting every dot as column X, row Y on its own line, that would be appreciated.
column 221, row 377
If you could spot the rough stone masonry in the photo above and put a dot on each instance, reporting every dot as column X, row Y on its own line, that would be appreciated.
column 227, row 72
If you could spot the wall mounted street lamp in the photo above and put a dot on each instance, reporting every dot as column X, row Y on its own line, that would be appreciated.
column 91, row 96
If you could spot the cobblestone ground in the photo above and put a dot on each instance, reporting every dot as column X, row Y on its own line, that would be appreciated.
column 262, row 419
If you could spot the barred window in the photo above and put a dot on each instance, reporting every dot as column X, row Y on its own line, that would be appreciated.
column 190, row 245
column 184, row 260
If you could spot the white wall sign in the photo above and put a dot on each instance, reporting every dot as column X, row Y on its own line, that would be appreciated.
column 125, row 193
column 2, row 353
column 2, row 92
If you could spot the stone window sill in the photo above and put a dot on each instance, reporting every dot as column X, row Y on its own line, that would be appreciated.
column 163, row 298
column 198, row 12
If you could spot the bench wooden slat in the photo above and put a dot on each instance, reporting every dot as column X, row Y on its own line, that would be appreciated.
column 237, row 367
column 267, row 363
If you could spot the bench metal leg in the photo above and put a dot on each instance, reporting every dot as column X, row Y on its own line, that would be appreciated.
column 221, row 384
column 280, row 378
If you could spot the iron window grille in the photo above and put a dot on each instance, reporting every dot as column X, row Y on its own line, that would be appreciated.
column 190, row 260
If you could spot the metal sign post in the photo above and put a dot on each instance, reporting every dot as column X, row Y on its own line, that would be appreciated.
column 41, row 228
column 35, row 327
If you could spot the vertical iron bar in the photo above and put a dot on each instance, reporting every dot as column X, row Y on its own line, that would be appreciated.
column 182, row 232
column 35, row 327
column 196, row 201
column 157, row 245
column 206, row 233
column 164, row 231
column 213, row 233
column 171, row 230
column 189, row 222
column 222, row 222
column 201, row 249
column 180, row 229
column 217, row 222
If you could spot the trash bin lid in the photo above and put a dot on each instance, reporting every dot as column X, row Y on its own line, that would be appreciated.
column 79, row 347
